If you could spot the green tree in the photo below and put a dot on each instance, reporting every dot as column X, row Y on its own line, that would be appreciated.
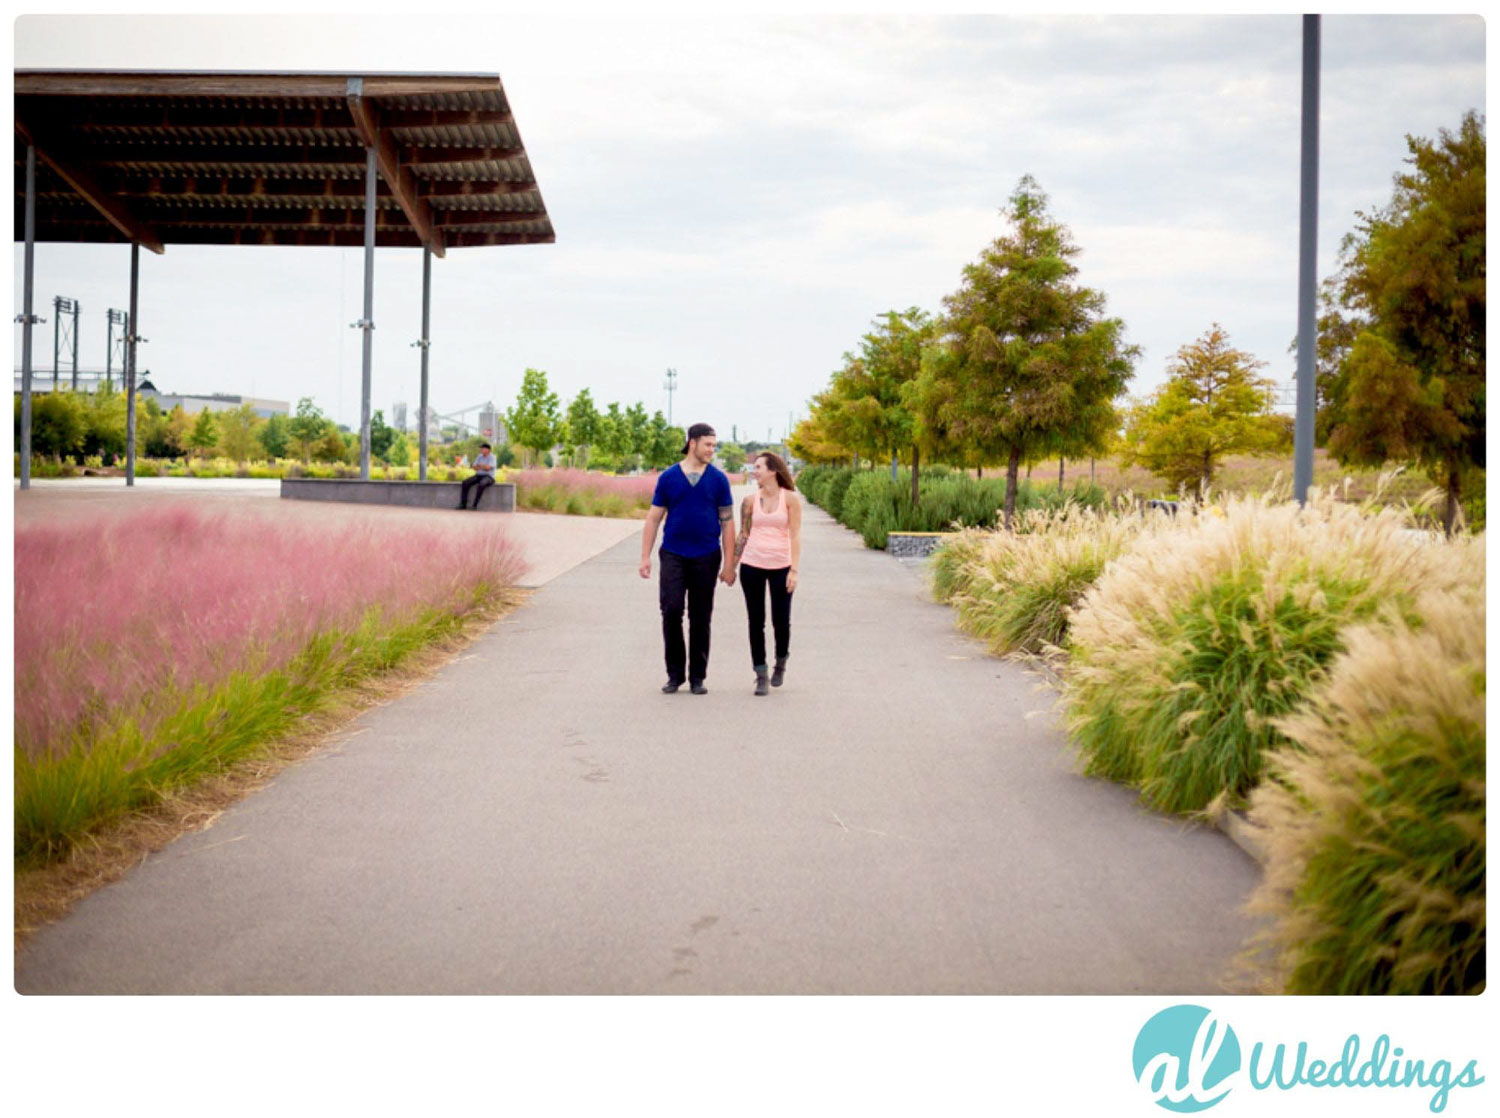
column 335, row 446
column 205, row 433
column 638, row 436
column 58, row 425
column 876, row 409
column 814, row 439
column 179, row 431
column 535, row 423
column 1404, row 360
column 381, row 436
column 583, row 423
column 1025, row 354
column 104, row 424
column 307, row 427
column 731, row 457
column 274, row 436
column 614, row 434
column 150, row 428
column 1212, row 405
column 399, row 453
column 237, row 429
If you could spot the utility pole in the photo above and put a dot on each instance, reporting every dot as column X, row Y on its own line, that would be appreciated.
column 122, row 320
column 671, row 387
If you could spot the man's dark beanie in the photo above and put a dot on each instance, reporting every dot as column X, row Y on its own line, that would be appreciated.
column 696, row 431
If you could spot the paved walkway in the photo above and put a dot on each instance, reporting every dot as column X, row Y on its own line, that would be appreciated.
column 901, row 817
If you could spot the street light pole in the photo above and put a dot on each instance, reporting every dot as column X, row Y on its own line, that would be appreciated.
column 1307, row 279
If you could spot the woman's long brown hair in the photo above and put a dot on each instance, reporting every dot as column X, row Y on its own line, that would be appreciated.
column 779, row 468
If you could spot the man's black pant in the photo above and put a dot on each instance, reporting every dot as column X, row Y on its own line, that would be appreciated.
column 481, row 482
column 688, row 582
column 755, row 580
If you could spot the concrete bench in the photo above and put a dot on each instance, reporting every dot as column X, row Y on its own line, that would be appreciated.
column 500, row 497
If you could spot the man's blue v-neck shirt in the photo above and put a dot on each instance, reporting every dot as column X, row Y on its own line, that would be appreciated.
column 692, row 528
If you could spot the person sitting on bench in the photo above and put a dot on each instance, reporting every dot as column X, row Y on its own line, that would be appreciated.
column 483, row 478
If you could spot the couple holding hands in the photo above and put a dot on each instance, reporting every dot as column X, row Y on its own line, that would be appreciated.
column 700, row 546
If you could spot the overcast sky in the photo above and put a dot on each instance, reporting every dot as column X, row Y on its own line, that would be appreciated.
column 739, row 198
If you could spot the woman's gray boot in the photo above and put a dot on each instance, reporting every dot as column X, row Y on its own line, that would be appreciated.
column 760, row 681
column 780, row 673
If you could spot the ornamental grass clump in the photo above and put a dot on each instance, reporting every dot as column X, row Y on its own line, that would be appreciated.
column 154, row 648
column 1374, row 813
column 1197, row 636
column 1015, row 589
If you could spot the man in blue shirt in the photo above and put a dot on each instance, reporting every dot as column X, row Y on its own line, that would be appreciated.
column 695, row 499
column 484, row 476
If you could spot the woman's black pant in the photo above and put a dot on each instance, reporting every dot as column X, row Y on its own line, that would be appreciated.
column 755, row 580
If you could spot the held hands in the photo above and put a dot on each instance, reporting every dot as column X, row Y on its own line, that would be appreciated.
column 726, row 576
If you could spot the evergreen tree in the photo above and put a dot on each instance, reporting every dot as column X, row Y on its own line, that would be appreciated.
column 1025, row 355
column 1404, row 323
column 1212, row 405
column 274, row 436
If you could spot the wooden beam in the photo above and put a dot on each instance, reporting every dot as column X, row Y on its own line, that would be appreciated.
column 398, row 178
column 55, row 151
column 452, row 188
column 209, row 83
column 454, row 153
column 444, row 118
column 293, row 153
column 449, row 219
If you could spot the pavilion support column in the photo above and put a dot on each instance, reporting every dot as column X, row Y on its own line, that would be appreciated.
column 132, row 337
column 27, row 319
column 368, row 323
column 424, row 345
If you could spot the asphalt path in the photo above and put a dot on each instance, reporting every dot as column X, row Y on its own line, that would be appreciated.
column 902, row 817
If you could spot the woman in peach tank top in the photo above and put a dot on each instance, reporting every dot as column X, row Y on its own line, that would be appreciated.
column 769, row 549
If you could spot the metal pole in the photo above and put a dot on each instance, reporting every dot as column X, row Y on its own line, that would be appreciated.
column 131, row 338
column 75, row 345
column 368, row 323
column 56, row 337
column 109, row 353
column 1307, row 322
column 27, row 318
column 425, row 343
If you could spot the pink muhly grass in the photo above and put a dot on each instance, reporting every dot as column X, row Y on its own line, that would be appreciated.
column 113, row 613
column 637, row 490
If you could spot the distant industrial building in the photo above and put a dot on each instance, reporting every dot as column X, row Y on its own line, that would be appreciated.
column 93, row 380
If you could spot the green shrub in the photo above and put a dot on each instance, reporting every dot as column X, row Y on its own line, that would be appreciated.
column 833, row 490
column 1374, row 813
column 1200, row 634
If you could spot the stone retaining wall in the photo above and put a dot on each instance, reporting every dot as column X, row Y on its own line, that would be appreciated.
column 500, row 497
column 913, row 545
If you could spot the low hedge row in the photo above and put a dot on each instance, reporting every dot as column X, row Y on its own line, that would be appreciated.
column 873, row 504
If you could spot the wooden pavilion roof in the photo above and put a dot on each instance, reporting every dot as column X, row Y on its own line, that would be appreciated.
column 174, row 157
